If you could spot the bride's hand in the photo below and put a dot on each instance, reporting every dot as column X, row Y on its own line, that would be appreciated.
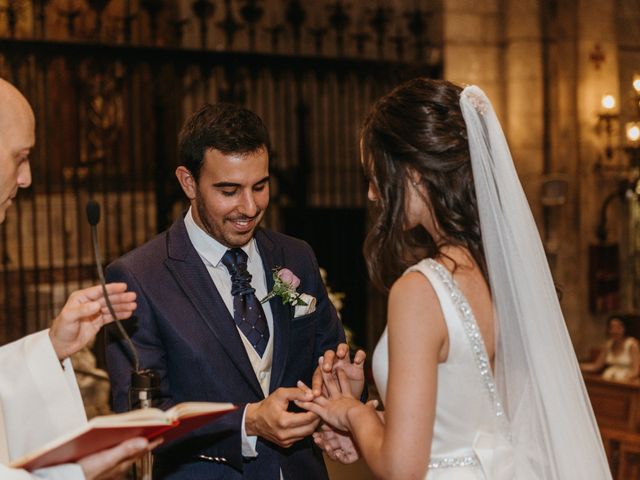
column 341, row 359
column 334, row 407
column 337, row 445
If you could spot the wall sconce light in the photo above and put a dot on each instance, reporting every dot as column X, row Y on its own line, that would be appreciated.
column 608, row 102
column 604, row 256
column 632, row 129
column 632, row 147
column 607, row 126
column 606, row 117
column 636, row 82
column 627, row 184
column 633, row 132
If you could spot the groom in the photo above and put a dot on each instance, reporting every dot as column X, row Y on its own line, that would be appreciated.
column 200, row 324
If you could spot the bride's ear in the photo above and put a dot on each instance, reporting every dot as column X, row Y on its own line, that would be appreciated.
column 414, row 178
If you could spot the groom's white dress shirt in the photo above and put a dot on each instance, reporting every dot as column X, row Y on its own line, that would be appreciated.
column 211, row 252
column 39, row 401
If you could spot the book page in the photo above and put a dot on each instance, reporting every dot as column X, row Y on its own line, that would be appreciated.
column 190, row 409
column 145, row 416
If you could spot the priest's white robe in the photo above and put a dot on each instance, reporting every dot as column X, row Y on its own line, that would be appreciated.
column 39, row 401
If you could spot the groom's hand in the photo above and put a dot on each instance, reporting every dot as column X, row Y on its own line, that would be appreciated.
column 270, row 419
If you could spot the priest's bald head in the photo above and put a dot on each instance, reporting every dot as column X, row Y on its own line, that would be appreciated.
column 17, row 136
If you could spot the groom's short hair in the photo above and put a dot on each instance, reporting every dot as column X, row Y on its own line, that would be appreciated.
column 225, row 127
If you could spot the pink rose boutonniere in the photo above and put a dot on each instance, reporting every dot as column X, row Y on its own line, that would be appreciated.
column 284, row 286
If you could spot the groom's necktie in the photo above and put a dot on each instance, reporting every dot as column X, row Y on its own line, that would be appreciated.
column 247, row 311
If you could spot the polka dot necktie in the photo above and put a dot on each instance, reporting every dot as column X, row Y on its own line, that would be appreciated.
column 247, row 311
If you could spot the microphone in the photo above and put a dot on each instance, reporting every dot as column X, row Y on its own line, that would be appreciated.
column 93, row 216
column 145, row 384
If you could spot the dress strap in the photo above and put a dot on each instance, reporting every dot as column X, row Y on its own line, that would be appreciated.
column 474, row 338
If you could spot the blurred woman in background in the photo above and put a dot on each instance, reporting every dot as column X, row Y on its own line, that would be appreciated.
column 620, row 355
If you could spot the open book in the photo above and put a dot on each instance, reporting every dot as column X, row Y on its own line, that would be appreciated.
column 109, row 430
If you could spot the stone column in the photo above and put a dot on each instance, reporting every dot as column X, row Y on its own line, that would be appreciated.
column 596, row 75
column 523, row 87
column 496, row 44
column 472, row 46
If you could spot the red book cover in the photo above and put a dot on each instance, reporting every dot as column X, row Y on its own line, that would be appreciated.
column 107, row 431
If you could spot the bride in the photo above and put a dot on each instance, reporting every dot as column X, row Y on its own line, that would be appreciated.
column 475, row 368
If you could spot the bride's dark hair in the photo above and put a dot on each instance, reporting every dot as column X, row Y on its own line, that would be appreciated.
column 419, row 127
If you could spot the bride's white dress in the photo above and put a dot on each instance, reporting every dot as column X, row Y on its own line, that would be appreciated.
column 470, row 435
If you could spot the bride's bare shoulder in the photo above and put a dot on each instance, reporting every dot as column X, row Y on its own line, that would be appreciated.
column 414, row 306
column 411, row 284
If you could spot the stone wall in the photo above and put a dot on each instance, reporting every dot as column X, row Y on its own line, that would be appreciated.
column 536, row 61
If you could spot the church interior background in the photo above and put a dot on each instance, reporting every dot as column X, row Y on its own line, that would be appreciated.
column 111, row 81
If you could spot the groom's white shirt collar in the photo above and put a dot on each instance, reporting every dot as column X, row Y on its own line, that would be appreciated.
column 211, row 250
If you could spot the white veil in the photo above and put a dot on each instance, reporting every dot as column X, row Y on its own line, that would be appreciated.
column 552, row 426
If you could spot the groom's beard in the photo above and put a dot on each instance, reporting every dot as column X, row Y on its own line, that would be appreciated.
column 227, row 229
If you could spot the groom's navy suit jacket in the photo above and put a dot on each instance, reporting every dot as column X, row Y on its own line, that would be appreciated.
column 183, row 330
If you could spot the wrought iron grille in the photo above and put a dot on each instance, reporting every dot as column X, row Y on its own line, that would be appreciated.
column 111, row 81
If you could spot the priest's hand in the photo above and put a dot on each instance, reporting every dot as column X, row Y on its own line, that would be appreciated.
column 85, row 313
column 113, row 463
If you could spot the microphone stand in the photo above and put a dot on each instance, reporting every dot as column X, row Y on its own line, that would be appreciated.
column 145, row 384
